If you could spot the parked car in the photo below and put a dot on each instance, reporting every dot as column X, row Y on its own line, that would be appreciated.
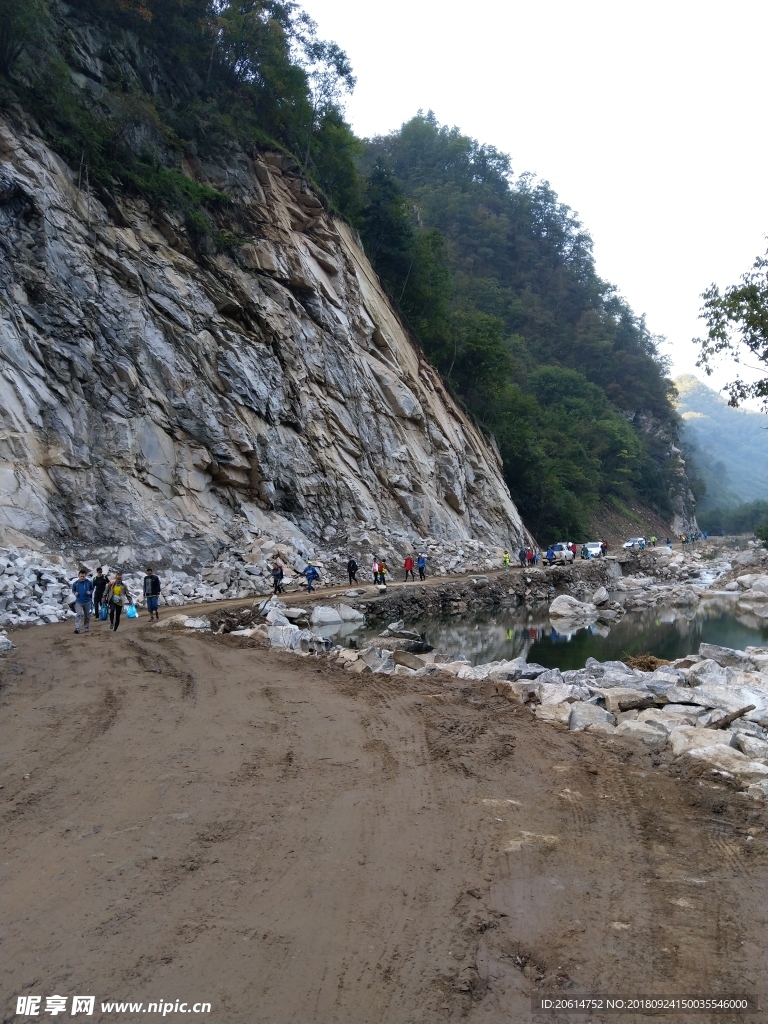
column 562, row 553
column 594, row 548
column 634, row 542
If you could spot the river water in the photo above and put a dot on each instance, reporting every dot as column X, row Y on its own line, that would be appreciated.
column 499, row 633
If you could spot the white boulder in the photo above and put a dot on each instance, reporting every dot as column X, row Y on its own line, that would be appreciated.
column 324, row 615
column 643, row 731
column 566, row 607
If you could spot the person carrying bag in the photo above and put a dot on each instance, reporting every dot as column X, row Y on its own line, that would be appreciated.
column 117, row 597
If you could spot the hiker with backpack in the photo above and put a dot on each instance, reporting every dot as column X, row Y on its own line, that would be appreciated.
column 117, row 597
column 421, row 565
column 311, row 575
column 152, row 594
column 408, row 566
column 352, row 571
column 82, row 588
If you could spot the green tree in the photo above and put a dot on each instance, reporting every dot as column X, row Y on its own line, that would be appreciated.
column 23, row 24
column 737, row 325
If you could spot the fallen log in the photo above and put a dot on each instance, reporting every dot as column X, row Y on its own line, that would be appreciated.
column 726, row 720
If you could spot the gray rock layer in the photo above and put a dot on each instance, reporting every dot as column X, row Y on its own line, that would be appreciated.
column 180, row 405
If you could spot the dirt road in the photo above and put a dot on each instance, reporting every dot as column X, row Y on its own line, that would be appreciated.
column 195, row 818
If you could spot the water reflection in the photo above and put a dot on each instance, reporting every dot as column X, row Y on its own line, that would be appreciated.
column 511, row 632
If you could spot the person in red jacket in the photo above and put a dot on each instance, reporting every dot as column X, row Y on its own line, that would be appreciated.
column 408, row 566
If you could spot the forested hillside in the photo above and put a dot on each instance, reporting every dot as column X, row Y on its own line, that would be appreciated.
column 491, row 272
column 729, row 446
column 497, row 278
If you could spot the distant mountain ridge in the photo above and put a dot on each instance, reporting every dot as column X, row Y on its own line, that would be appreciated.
column 729, row 446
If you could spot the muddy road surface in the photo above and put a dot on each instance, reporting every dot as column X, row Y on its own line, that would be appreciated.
column 196, row 818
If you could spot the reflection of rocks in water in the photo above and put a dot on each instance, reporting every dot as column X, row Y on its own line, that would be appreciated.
column 507, row 633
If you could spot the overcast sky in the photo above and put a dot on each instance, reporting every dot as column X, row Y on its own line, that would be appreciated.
column 647, row 118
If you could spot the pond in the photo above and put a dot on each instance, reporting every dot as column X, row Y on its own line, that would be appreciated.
column 501, row 633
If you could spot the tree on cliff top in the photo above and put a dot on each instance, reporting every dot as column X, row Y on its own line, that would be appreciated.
column 737, row 322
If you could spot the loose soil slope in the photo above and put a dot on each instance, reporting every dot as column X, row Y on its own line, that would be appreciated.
column 197, row 818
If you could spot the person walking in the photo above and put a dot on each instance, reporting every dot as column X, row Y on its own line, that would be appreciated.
column 521, row 554
column 311, row 575
column 375, row 571
column 277, row 578
column 383, row 570
column 100, row 584
column 421, row 565
column 82, row 588
column 408, row 566
column 505, row 560
column 352, row 571
column 117, row 597
column 152, row 594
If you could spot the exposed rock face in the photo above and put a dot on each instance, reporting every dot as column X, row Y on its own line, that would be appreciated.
column 180, row 405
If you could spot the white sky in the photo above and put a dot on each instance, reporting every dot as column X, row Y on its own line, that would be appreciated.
column 647, row 118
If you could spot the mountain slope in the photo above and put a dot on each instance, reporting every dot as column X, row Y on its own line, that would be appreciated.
column 497, row 278
column 177, row 404
column 729, row 446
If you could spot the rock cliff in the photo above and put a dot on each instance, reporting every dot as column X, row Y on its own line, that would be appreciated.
column 157, row 403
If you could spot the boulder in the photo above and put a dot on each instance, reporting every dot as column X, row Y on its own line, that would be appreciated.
column 393, row 643
column 350, row 614
column 604, row 727
column 509, row 670
column 566, row 607
column 706, row 671
column 621, row 698
column 656, row 718
column 600, row 597
column 680, row 714
column 518, row 692
column 725, row 657
column 555, row 714
column 275, row 617
column 194, row 622
column 411, row 661
column 687, row 737
column 324, row 615
column 357, row 667
column 643, row 731
column 585, row 715
column 558, row 693
column 295, row 613
column 284, row 636
column 725, row 759
column 747, row 580
column 754, row 748
column 378, row 660
column 551, row 677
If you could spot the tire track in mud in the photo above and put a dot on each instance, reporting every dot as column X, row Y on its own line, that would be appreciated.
column 424, row 853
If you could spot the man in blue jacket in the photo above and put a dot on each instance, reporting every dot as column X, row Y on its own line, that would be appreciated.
column 311, row 574
column 82, row 588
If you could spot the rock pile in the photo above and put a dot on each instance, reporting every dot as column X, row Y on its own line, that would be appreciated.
column 678, row 706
